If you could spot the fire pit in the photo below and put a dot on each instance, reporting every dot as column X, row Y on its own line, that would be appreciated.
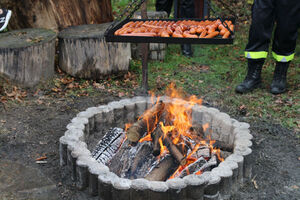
column 209, row 163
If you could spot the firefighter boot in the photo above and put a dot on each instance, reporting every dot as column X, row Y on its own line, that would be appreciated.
column 278, row 85
column 253, row 78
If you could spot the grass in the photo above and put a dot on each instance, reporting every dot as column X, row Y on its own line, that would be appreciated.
column 211, row 74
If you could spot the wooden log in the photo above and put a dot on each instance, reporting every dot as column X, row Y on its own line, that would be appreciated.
column 108, row 145
column 173, row 149
column 120, row 159
column 148, row 121
column 192, row 168
column 132, row 162
column 57, row 14
column 84, row 53
column 163, row 170
column 140, row 160
column 27, row 55
column 155, row 135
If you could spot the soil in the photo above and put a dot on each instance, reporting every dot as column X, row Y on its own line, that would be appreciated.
column 32, row 129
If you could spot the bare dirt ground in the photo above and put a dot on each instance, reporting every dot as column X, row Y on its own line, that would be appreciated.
column 33, row 129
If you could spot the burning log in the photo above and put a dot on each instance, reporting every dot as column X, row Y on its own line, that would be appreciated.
column 140, row 160
column 147, row 122
column 163, row 170
column 155, row 140
column 192, row 168
column 120, row 159
column 175, row 152
column 173, row 149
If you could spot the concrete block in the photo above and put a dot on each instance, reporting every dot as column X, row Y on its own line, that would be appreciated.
column 158, row 190
column 140, row 189
column 195, row 186
column 177, row 188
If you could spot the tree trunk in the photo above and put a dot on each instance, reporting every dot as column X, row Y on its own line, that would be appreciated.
column 27, row 55
column 57, row 14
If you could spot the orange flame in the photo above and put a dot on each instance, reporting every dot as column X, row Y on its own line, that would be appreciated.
column 127, row 126
column 146, row 138
column 179, row 114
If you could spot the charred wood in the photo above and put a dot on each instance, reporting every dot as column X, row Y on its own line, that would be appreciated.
column 173, row 149
column 163, row 170
column 108, row 145
column 147, row 122
column 193, row 168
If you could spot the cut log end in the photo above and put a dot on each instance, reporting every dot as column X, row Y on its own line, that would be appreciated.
column 27, row 55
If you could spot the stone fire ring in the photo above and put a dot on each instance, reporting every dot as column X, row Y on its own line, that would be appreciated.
column 89, row 126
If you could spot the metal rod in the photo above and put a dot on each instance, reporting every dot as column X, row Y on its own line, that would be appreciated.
column 175, row 9
column 145, row 50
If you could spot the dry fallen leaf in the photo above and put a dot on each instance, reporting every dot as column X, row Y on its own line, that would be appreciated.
column 98, row 86
column 254, row 182
column 70, row 86
column 121, row 94
column 41, row 158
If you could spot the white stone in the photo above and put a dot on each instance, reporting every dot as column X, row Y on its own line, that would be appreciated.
column 158, row 186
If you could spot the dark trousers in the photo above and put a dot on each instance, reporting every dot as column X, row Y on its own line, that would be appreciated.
column 187, row 10
column 285, row 16
column 187, row 7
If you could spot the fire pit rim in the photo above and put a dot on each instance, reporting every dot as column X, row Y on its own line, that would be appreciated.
column 74, row 152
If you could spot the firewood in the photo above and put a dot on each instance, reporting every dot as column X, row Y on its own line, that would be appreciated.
column 173, row 149
column 155, row 135
column 155, row 140
column 140, row 159
column 192, row 168
column 108, row 145
column 163, row 170
column 147, row 122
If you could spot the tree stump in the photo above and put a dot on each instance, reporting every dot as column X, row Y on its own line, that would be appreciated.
column 57, row 14
column 84, row 53
column 27, row 55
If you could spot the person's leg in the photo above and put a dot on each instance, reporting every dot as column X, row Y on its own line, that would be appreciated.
column 187, row 10
column 4, row 18
column 284, row 43
column 164, row 5
column 263, row 16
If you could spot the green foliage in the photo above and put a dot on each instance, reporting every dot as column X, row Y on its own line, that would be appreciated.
column 213, row 73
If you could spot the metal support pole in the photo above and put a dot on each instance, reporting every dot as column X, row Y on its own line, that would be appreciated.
column 175, row 9
column 144, row 47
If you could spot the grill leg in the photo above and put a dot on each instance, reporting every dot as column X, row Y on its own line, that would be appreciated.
column 144, row 48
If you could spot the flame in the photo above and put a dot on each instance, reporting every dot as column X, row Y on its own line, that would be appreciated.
column 146, row 138
column 163, row 148
column 177, row 126
column 127, row 126
column 205, row 127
